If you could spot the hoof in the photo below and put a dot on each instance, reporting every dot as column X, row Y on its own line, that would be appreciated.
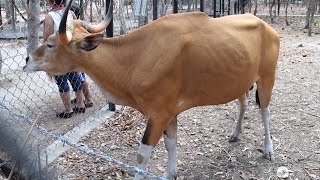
column 269, row 156
column 171, row 177
column 233, row 139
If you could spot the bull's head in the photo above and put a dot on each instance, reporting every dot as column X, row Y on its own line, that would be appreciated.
column 63, row 50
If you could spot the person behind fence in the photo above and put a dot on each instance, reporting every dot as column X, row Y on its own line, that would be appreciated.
column 88, row 102
column 87, row 96
column 51, row 25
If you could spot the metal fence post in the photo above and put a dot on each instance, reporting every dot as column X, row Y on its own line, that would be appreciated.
column 278, row 7
column 214, row 8
column 175, row 6
column 155, row 9
column 201, row 5
column 109, row 30
column 229, row 6
column 109, row 33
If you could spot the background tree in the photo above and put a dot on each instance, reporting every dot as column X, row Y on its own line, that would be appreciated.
column 33, row 25
column 141, row 11
column 272, row 4
column 164, row 7
column 312, row 7
column 1, row 16
column 1, row 76
column 122, row 17
column 286, row 13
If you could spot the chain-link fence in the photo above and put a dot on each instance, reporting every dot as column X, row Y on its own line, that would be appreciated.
column 29, row 97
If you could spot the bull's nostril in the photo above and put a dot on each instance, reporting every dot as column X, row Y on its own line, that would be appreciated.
column 27, row 59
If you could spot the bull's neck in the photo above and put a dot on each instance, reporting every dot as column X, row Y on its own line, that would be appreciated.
column 109, row 65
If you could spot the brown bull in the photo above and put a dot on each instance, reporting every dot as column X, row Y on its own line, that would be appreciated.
column 170, row 65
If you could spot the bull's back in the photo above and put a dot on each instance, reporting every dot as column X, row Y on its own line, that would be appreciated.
column 223, row 57
column 202, row 60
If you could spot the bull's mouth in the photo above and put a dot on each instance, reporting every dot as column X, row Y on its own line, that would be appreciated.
column 30, row 68
column 26, row 69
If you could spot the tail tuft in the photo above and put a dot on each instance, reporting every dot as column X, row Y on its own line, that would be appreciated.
column 257, row 98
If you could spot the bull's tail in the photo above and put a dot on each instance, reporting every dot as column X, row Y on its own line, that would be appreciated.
column 257, row 96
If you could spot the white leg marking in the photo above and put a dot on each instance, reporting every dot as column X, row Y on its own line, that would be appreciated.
column 267, row 141
column 237, row 130
column 171, row 147
column 144, row 155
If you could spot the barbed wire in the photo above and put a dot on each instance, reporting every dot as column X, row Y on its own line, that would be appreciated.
column 81, row 148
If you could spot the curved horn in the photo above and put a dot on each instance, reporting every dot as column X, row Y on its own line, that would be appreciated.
column 64, row 35
column 103, row 24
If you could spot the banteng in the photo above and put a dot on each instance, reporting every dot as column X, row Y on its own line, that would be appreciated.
column 170, row 65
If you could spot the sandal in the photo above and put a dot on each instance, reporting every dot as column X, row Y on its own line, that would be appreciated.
column 65, row 115
column 74, row 101
column 112, row 106
column 88, row 105
column 79, row 110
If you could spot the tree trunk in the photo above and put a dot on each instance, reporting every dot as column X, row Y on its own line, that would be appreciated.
column 307, row 19
column 33, row 25
column 189, row 5
column 1, row 62
column 250, row 6
column 141, row 11
column 98, row 7
column 12, row 15
column 1, row 17
column 286, row 13
column 270, row 10
column 164, row 7
column 312, row 5
column 24, row 4
column 7, row 8
column 122, row 16
column 255, row 7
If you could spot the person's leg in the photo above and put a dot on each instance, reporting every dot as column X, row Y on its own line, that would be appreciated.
column 85, row 89
column 65, row 96
column 86, row 92
column 88, row 102
column 76, row 84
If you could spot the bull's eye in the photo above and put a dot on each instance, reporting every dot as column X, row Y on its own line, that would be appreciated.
column 49, row 46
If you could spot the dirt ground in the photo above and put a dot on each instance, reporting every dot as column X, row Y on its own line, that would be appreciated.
column 203, row 148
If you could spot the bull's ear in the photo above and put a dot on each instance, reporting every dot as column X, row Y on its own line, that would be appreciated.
column 90, row 42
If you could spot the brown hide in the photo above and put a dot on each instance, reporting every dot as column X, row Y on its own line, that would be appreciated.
column 202, row 61
column 174, row 63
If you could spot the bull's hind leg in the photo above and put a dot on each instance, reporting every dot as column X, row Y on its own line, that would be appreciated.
column 170, row 141
column 243, row 103
column 265, row 91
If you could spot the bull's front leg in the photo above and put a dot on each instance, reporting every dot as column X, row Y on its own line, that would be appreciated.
column 152, row 134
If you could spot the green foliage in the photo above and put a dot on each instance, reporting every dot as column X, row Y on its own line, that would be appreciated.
column 315, row 23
